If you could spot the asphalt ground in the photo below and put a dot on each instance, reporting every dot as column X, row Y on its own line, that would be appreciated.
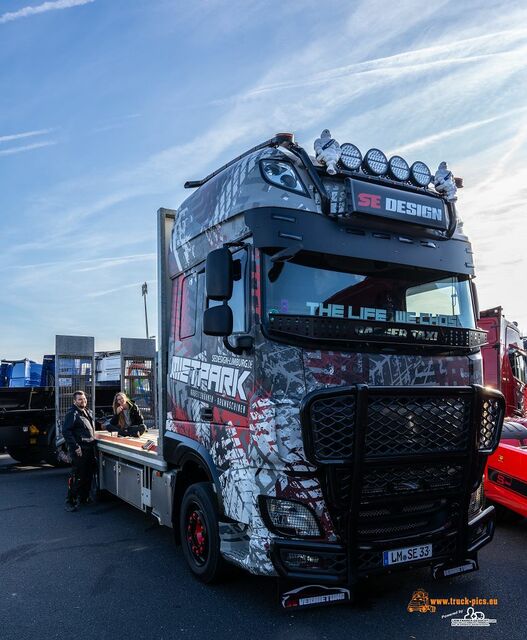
column 110, row 572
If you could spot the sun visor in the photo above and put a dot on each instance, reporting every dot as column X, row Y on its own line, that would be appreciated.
column 280, row 227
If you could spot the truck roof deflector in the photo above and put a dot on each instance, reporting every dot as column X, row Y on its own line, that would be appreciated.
column 276, row 141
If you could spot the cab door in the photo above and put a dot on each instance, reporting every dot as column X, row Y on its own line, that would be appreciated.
column 228, row 376
column 185, row 358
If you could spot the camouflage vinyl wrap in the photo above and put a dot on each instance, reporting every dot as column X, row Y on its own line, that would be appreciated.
column 254, row 436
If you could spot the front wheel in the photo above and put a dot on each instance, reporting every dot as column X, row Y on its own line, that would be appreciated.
column 200, row 539
column 26, row 456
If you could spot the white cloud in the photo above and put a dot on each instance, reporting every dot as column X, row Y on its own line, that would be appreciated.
column 25, row 134
column 434, row 57
column 79, row 266
column 448, row 95
column 52, row 5
column 132, row 285
column 28, row 147
column 452, row 131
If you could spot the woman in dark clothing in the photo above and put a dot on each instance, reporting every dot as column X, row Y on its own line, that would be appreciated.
column 127, row 417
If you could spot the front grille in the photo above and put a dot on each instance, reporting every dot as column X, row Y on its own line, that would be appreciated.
column 412, row 507
column 491, row 418
column 333, row 436
column 368, row 560
column 398, row 423
column 444, row 547
column 393, row 481
column 408, row 425
column 396, row 464
column 398, row 520
column 395, row 530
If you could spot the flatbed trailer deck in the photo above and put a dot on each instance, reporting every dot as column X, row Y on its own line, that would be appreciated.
column 142, row 449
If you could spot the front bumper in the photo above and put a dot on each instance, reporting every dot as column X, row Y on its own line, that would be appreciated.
column 337, row 564
column 398, row 467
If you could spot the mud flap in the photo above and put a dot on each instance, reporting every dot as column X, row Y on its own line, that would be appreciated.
column 293, row 595
column 450, row 569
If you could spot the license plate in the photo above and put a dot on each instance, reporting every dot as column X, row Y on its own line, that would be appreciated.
column 407, row 554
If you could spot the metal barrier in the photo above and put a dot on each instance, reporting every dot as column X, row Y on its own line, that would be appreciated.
column 74, row 371
column 138, row 375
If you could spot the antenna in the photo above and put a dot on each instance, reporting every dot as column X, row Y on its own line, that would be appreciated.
column 144, row 293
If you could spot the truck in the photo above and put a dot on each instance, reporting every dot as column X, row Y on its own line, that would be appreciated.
column 321, row 415
column 505, row 368
column 28, row 403
column 20, row 373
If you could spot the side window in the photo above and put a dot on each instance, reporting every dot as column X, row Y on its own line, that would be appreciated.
column 188, row 309
column 175, row 312
column 518, row 365
column 238, row 301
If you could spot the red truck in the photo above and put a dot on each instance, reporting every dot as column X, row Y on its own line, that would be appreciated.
column 505, row 368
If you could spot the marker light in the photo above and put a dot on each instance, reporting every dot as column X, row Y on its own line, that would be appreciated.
column 375, row 162
column 398, row 169
column 282, row 174
column 420, row 174
column 350, row 156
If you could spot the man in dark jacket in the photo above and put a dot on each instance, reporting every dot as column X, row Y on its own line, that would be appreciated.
column 79, row 434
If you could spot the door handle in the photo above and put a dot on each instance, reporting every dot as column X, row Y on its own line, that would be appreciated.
column 206, row 414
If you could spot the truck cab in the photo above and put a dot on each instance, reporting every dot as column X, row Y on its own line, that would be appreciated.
column 505, row 368
column 324, row 372
column 505, row 360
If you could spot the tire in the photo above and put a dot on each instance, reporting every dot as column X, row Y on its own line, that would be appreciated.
column 26, row 456
column 200, row 539
column 505, row 515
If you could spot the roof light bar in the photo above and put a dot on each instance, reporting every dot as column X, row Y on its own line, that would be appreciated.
column 420, row 174
column 350, row 157
column 375, row 163
column 398, row 169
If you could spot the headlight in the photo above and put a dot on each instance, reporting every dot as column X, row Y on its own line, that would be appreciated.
column 283, row 175
column 289, row 518
column 420, row 174
column 375, row 163
column 398, row 169
column 350, row 156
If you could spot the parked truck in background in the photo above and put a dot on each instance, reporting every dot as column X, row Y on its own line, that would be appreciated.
column 321, row 412
column 505, row 368
column 28, row 394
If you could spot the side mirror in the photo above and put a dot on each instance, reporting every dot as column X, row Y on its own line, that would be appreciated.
column 219, row 275
column 217, row 321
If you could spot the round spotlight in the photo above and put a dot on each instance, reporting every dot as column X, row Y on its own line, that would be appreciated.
column 375, row 162
column 350, row 157
column 420, row 174
column 398, row 169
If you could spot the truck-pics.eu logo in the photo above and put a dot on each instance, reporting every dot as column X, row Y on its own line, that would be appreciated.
column 421, row 602
column 472, row 618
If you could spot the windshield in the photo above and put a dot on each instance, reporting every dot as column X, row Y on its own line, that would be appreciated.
column 403, row 296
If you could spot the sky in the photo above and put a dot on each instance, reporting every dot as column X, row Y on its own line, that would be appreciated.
column 108, row 106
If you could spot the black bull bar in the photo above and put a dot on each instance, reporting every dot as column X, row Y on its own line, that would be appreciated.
column 398, row 467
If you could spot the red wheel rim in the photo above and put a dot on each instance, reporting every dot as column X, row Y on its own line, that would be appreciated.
column 197, row 539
